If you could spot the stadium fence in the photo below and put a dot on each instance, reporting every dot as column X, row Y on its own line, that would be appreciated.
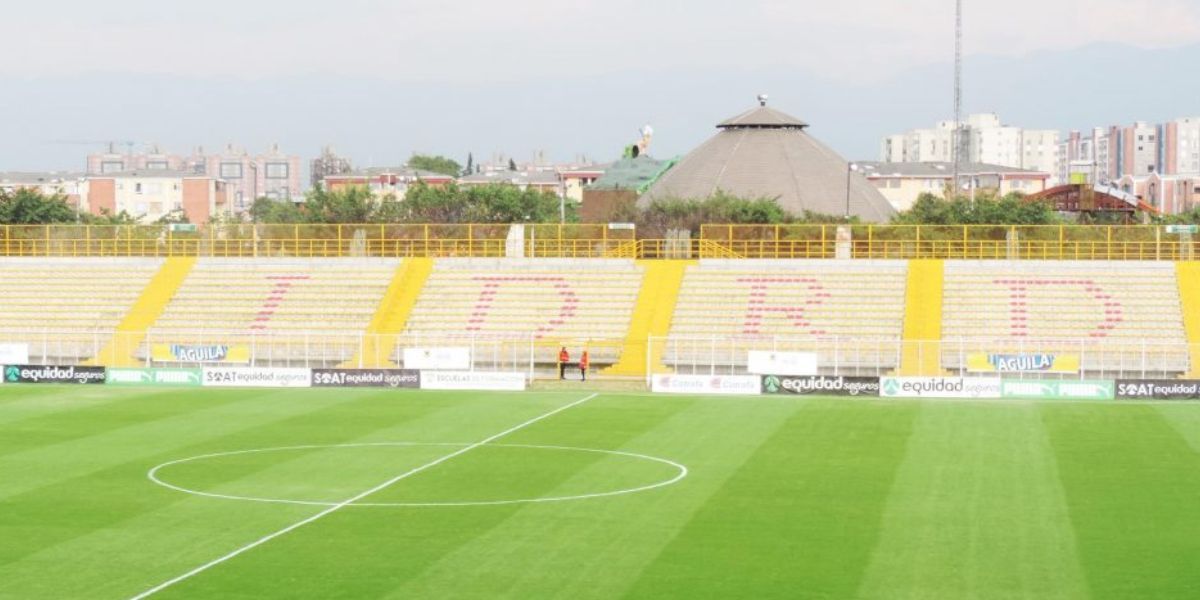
column 693, row 355
column 1034, row 242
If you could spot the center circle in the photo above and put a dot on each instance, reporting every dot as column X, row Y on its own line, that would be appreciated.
column 157, row 474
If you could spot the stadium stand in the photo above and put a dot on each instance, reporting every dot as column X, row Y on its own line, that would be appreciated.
column 794, row 305
column 554, row 301
column 1097, row 310
column 302, row 308
column 78, row 301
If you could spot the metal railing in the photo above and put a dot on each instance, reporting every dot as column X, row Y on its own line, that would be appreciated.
column 839, row 356
column 1010, row 242
column 311, row 349
column 1034, row 242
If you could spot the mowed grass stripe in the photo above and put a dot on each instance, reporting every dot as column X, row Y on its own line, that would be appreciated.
column 976, row 511
column 159, row 533
column 114, row 487
column 186, row 528
column 1133, row 487
column 22, row 402
column 800, row 517
column 367, row 553
column 597, row 548
column 198, row 418
column 381, row 417
column 120, row 410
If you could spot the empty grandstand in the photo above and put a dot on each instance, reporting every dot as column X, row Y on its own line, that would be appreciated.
column 286, row 310
column 1104, row 313
column 546, row 303
column 65, row 308
column 849, row 312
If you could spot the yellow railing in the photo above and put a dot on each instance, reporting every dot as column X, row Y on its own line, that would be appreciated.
column 1031, row 242
column 1066, row 242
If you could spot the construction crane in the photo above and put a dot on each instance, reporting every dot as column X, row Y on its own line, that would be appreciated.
column 112, row 144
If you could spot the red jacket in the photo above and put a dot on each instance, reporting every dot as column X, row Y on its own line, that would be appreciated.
column 563, row 356
column 583, row 360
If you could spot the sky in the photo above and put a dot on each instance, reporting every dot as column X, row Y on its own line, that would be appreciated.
column 381, row 80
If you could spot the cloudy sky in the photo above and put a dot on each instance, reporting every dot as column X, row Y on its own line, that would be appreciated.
column 85, row 66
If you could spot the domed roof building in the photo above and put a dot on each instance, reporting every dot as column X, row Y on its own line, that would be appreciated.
column 767, row 153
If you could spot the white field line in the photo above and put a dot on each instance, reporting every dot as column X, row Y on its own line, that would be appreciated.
column 344, row 503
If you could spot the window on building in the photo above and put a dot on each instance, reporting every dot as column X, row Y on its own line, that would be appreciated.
column 137, row 188
column 112, row 166
column 157, row 165
column 231, row 170
column 277, row 170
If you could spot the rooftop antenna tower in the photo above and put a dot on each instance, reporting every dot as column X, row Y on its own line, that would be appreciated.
column 956, row 135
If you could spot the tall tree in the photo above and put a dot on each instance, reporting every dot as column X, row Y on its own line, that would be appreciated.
column 31, row 207
column 470, row 169
column 435, row 164
column 512, row 165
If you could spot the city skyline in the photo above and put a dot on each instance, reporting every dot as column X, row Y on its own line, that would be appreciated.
column 381, row 80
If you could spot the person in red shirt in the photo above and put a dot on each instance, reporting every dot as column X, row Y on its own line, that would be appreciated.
column 563, row 359
column 583, row 366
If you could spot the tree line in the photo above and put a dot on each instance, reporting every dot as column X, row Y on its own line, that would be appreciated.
column 504, row 203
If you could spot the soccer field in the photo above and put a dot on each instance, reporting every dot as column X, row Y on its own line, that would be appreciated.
column 115, row 493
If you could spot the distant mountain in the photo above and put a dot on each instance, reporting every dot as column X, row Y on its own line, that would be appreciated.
column 382, row 121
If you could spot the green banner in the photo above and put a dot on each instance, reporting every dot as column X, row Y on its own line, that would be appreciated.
column 156, row 377
column 1050, row 389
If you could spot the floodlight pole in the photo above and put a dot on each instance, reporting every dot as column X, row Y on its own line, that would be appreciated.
column 850, row 168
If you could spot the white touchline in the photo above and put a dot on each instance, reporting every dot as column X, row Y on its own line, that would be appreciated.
column 343, row 504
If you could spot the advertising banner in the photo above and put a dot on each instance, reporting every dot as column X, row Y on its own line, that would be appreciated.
column 939, row 387
column 203, row 353
column 981, row 362
column 256, row 377
column 707, row 384
column 472, row 380
column 781, row 363
column 431, row 359
column 1052, row 389
column 14, row 354
column 155, row 377
column 821, row 386
column 382, row 378
column 1158, row 389
column 53, row 374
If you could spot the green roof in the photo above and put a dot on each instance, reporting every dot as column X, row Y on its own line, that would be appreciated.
column 632, row 174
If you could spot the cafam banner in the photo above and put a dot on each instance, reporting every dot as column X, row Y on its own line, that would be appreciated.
column 781, row 363
column 707, row 384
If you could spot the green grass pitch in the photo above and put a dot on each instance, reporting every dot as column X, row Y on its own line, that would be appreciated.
column 784, row 497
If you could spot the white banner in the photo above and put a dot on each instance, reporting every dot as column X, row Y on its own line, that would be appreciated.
column 472, row 380
column 256, row 377
column 450, row 359
column 707, row 384
column 939, row 387
column 14, row 354
column 782, row 363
